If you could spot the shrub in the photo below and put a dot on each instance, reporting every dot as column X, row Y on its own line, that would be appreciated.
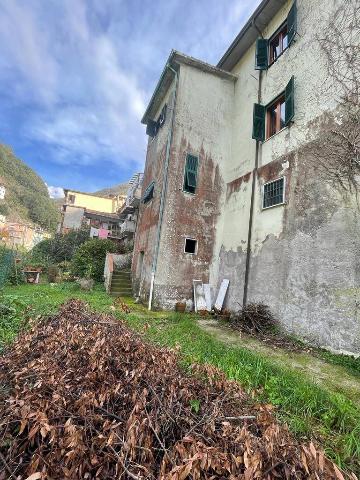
column 61, row 247
column 53, row 273
column 89, row 258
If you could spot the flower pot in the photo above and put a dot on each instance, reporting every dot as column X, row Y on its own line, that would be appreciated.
column 180, row 307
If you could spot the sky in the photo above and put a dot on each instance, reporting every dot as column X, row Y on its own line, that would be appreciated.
column 76, row 77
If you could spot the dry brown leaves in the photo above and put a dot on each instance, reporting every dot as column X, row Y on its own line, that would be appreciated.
column 83, row 397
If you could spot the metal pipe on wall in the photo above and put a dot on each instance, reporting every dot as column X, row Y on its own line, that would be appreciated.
column 251, row 214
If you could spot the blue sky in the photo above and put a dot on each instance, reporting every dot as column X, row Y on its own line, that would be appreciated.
column 76, row 75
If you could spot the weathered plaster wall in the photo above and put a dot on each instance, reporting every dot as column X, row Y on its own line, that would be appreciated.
column 304, row 262
column 146, row 232
column 73, row 217
column 203, row 128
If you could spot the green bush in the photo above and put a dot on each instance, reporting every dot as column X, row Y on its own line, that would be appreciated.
column 12, row 317
column 61, row 247
column 89, row 259
column 53, row 273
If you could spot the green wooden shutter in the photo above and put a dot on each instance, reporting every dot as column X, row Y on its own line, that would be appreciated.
column 292, row 23
column 190, row 177
column 259, row 122
column 151, row 128
column 261, row 55
column 289, row 101
column 149, row 193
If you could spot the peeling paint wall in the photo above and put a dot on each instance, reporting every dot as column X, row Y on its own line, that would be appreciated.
column 187, row 215
column 146, row 232
column 304, row 255
column 304, row 259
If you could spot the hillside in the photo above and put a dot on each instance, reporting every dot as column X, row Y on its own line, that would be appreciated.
column 120, row 189
column 27, row 198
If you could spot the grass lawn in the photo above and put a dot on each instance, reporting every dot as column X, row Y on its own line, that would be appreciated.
column 309, row 410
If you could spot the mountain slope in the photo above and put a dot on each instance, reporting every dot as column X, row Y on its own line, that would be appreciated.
column 120, row 189
column 27, row 197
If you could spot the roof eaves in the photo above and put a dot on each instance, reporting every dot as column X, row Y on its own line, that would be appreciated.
column 264, row 12
column 175, row 59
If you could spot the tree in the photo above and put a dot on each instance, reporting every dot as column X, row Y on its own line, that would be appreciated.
column 61, row 247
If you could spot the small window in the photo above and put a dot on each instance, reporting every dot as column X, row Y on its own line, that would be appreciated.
column 149, row 193
column 190, row 246
column 274, row 193
column 268, row 51
column 190, row 174
column 278, row 43
column 275, row 117
column 72, row 199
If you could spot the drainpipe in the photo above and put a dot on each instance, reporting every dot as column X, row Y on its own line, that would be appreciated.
column 251, row 216
column 164, row 187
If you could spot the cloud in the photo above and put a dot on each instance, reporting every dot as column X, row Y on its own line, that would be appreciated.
column 56, row 192
column 76, row 75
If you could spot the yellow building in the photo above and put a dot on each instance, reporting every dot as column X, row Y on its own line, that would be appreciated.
column 81, row 208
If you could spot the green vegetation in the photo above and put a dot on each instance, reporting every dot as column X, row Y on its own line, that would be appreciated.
column 351, row 364
column 26, row 302
column 310, row 411
column 89, row 258
column 27, row 197
column 60, row 248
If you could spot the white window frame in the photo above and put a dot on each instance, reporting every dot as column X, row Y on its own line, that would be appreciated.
column 263, row 193
column 196, row 247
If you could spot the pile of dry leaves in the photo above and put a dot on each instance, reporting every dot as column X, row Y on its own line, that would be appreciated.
column 83, row 397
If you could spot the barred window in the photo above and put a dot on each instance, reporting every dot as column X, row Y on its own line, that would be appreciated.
column 274, row 193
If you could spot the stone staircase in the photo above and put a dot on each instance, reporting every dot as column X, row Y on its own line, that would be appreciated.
column 121, row 285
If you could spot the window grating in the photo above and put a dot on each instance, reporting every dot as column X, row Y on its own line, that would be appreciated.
column 273, row 193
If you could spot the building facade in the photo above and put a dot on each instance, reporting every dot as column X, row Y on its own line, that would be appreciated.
column 129, row 212
column 234, row 185
column 85, row 209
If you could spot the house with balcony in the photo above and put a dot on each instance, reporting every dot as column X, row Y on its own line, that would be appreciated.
column 129, row 211
column 234, row 184
column 97, row 212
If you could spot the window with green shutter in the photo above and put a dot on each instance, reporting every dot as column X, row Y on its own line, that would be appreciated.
column 190, row 174
column 149, row 193
column 289, row 101
column 258, row 122
column 292, row 23
column 278, row 114
column 261, row 56
column 268, row 51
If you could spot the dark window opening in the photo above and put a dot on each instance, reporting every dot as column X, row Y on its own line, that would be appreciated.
column 190, row 175
column 190, row 245
column 153, row 126
column 278, row 43
column 275, row 117
column 149, row 193
column 273, row 193
column 71, row 198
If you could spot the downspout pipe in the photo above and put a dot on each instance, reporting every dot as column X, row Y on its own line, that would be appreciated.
column 252, row 202
column 164, row 187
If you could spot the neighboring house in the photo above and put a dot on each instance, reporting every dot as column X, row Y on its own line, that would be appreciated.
column 231, row 188
column 21, row 235
column 129, row 212
column 98, row 212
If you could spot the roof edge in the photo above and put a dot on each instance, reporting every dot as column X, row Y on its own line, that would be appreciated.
column 175, row 59
column 277, row 4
